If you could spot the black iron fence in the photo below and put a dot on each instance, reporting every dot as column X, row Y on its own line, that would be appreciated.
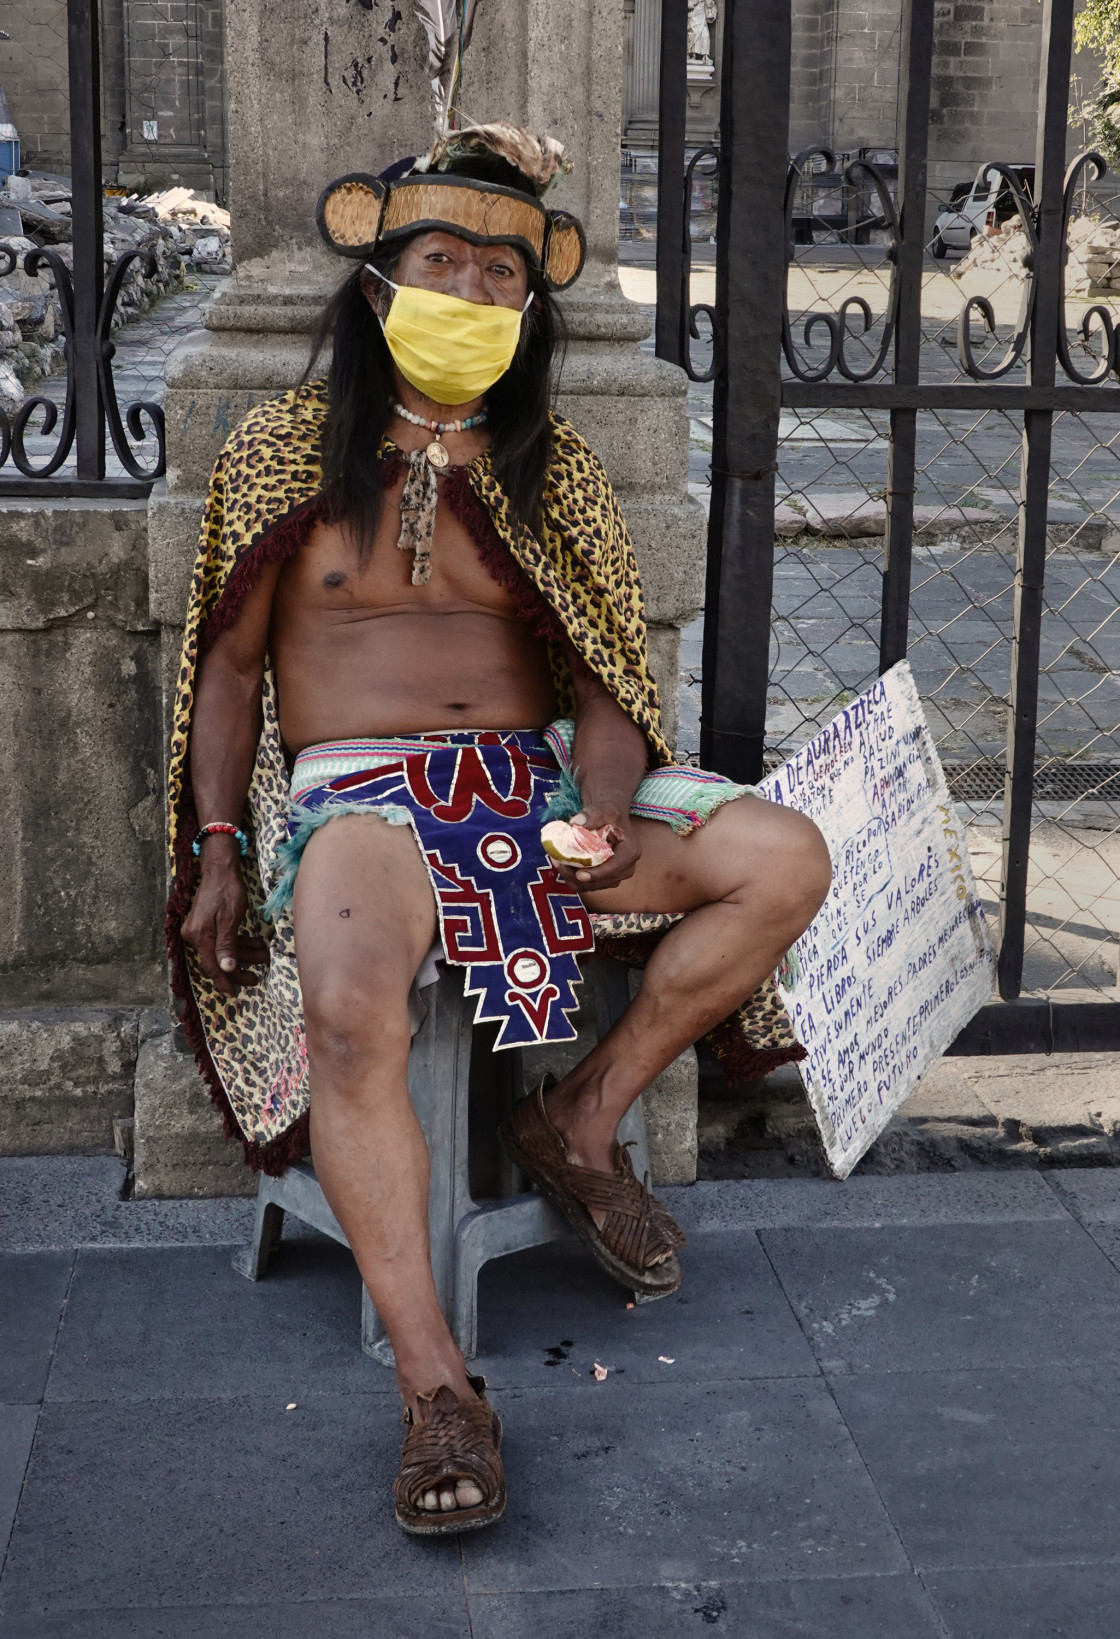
column 915, row 451
column 55, row 443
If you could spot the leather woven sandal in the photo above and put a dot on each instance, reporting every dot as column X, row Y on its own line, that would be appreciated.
column 638, row 1242
column 451, row 1440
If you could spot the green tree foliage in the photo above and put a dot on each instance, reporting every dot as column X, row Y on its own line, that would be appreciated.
column 1097, row 28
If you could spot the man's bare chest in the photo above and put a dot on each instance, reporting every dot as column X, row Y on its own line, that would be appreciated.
column 331, row 579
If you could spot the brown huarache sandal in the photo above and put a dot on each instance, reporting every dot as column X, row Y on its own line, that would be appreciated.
column 450, row 1440
column 637, row 1243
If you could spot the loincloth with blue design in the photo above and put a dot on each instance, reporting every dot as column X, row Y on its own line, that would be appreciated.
column 475, row 801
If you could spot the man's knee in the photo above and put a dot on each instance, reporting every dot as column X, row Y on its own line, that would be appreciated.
column 784, row 855
column 350, row 1020
column 809, row 862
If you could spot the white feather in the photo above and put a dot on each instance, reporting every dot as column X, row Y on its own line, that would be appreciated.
column 447, row 23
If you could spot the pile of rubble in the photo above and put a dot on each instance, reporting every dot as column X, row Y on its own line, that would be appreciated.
column 182, row 233
column 1094, row 255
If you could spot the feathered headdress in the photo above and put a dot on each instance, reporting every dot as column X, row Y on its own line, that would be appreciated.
column 541, row 160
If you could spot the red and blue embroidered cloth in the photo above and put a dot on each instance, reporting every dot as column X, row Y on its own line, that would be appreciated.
column 476, row 803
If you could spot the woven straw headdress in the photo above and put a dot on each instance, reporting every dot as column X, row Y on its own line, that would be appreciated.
column 484, row 183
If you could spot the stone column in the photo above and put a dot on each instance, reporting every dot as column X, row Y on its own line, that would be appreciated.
column 322, row 88
column 557, row 66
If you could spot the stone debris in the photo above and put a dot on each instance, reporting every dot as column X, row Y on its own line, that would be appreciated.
column 1094, row 255
column 842, row 517
column 182, row 232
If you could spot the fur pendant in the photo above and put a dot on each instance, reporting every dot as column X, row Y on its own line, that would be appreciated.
column 539, row 158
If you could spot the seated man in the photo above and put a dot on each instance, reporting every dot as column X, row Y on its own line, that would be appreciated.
column 416, row 616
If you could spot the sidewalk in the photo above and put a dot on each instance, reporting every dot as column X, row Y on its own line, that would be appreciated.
column 887, row 1407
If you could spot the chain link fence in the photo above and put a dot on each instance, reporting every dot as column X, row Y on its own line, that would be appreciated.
column 830, row 538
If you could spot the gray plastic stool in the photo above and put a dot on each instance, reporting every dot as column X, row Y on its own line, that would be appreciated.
column 464, row 1233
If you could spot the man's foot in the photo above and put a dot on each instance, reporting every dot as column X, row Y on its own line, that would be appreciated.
column 451, row 1476
column 452, row 1374
column 587, row 1143
column 630, row 1233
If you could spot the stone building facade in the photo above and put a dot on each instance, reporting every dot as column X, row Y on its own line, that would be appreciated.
column 844, row 80
column 163, row 91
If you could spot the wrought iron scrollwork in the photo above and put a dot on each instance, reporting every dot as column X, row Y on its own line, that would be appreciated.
column 33, row 263
column 691, row 312
column 106, row 351
column 13, row 431
column 12, row 259
column 982, row 305
column 1097, row 312
column 836, row 325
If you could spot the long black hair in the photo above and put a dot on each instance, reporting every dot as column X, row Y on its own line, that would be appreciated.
column 361, row 389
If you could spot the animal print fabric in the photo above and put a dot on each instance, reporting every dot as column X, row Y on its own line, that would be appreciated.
column 263, row 499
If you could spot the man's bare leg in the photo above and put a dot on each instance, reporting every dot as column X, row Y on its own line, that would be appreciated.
column 752, row 880
column 364, row 919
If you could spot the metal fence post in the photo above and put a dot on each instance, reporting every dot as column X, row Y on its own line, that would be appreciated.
column 83, row 42
column 915, row 64
column 750, row 291
column 672, row 274
column 1053, row 103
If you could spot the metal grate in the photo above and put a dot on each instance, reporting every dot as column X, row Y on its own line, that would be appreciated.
column 1060, row 782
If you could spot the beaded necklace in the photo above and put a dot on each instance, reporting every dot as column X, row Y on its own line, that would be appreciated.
column 418, row 498
column 437, row 452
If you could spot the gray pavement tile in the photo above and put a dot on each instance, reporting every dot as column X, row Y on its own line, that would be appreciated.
column 1107, row 1237
column 1092, row 1194
column 1028, row 1601
column 994, row 1467
column 911, row 1198
column 179, row 1321
column 17, row 1430
column 32, row 1292
column 950, row 1298
column 181, row 1502
column 74, row 1200
column 879, row 1607
column 618, row 1483
column 546, row 1316
column 440, row 1616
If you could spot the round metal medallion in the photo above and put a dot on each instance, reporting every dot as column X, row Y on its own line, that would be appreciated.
column 436, row 454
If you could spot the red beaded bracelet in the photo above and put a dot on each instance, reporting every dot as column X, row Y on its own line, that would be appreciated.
column 222, row 828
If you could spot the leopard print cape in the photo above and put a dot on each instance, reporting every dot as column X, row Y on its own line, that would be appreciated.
column 263, row 498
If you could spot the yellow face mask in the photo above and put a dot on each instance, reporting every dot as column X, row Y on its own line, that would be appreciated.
column 449, row 349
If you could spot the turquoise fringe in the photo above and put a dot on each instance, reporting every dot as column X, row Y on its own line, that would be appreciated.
column 289, row 853
column 789, row 970
column 565, row 800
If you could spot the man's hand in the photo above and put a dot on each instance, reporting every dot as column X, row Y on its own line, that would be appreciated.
column 212, row 926
column 614, row 825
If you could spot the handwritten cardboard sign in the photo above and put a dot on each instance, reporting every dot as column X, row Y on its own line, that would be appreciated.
column 898, row 959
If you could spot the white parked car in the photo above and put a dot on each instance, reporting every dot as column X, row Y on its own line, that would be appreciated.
column 980, row 206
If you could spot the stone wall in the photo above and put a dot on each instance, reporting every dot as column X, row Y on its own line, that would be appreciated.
column 33, row 72
column 81, row 813
column 169, row 83
column 811, row 70
column 864, row 82
column 984, row 91
column 162, row 61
